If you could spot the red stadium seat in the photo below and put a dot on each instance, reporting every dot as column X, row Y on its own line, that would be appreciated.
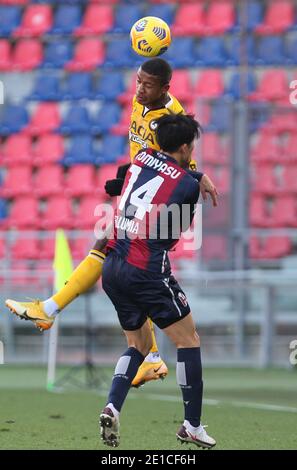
column 17, row 150
column 89, row 54
column 282, row 122
column 212, row 150
column 85, row 218
column 48, row 149
column 5, row 55
column 267, row 147
column 58, row 214
column 264, row 179
column 210, row 84
column 106, row 172
column 277, row 89
column 214, row 247
column 98, row 19
column 289, row 179
column 284, row 212
column 45, row 119
column 18, row 182
column 220, row 17
column 25, row 248
column 80, row 181
column 2, row 248
column 189, row 20
column 255, row 248
column 36, row 21
column 278, row 19
column 123, row 126
column 24, row 213
column 258, row 212
column 181, row 86
column 223, row 180
column 27, row 55
column 290, row 147
column 80, row 247
column 127, row 96
column 277, row 247
column 14, row 2
column 49, row 181
column 47, row 249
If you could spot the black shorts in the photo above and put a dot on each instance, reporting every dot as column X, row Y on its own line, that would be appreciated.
column 137, row 294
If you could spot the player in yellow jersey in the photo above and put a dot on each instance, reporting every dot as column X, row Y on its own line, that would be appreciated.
column 151, row 101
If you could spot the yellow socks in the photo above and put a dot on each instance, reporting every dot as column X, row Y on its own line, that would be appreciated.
column 82, row 279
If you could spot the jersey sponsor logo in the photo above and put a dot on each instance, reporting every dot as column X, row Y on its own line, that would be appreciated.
column 158, row 165
column 143, row 133
column 135, row 138
column 183, row 299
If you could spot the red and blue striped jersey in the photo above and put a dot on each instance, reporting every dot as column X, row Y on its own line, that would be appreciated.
column 157, row 203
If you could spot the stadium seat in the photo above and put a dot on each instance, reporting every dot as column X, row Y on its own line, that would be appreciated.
column 67, row 19
column 122, row 127
column 80, row 247
column 98, row 19
column 241, row 85
column 291, row 52
column 264, row 180
column 45, row 119
column 189, row 20
column 27, row 55
column 53, row 176
column 165, row 12
column 181, row 53
column 24, row 213
column 221, row 117
column 17, row 151
column 109, row 86
column 211, row 52
column 240, row 52
column 18, row 181
column 267, row 148
column 3, row 210
column 278, row 86
column 126, row 97
column 80, row 181
column 89, row 54
column 125, row 16
column 209, row 85
column 255, row 248
column 289, row 180
column 277, row 247
column 253, row 15
column 106, row 172
column 25, row 248
column 212, row 150
column 258, row 212
column 270, row 51
column 81, row 151
column 106, row 118
column 283, row 122
column 76, row 121
column 214, row 247
column 290, row 147
column 119, row 54
column 47, row 249
column 13, row 119
column 37, row 20
column 10, row 17
column 57, row 53
column 85, row 218
column 46, row 88
column 279, row 17
column 181, row 86
column 58, row 214
column 49, row 148
column 78, row 86
column 113, row 148
column 284, row 212
column 220, row 17
column 5, row 55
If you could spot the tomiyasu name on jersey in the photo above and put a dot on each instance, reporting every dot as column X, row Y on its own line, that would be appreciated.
column 143, row 124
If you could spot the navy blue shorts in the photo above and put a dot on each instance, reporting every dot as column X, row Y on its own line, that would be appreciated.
column 137, row 294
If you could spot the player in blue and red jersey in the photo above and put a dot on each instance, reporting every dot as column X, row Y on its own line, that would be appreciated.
column 137, row 276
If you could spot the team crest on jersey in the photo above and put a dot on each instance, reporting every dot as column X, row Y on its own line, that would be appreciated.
column 153, row 125
column 183, row 298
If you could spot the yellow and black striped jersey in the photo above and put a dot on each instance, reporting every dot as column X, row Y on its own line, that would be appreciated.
column 142, row 125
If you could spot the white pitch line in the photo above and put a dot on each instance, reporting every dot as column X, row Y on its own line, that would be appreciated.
column 242, row 404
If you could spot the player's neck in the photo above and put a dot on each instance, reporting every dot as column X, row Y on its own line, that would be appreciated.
column 177, row 157
column 159, row 103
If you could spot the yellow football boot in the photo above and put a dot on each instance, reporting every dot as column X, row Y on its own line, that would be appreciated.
column 149, row 371
column 31, row 311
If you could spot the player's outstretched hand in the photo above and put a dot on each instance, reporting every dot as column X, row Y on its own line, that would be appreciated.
column 207, row 187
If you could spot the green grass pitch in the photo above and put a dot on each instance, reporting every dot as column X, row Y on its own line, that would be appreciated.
column 244, row 409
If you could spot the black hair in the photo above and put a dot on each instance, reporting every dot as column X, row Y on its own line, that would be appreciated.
column 174, row 130
column 158, row 67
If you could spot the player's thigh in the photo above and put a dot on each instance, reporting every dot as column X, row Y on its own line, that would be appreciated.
column 183, row 333
column 141, row 339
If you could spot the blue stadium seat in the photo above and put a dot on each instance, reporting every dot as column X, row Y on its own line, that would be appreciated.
column 108, row 116
column 292, row 51
column 165, row 12
column 57, row 53
column 119, row 54
column 109, row 86
column 14, row 119
column 46, row 88
column 211, row 52
column 81, row 151
column 76, row 121
column 67, row 18
column 221, row 117
column 10, row 18
column 113, row 147
column 3, row 209
column 241, row 52
column 241, row 85
column 270, row 51
column 125, row 17
column 250, row 17
column 181, row 53
column 78, row 86
column 259, row 114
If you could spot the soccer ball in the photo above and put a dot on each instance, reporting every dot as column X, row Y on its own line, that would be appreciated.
column 150, row 36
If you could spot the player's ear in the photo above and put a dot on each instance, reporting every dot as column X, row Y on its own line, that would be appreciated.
column 166, row 87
